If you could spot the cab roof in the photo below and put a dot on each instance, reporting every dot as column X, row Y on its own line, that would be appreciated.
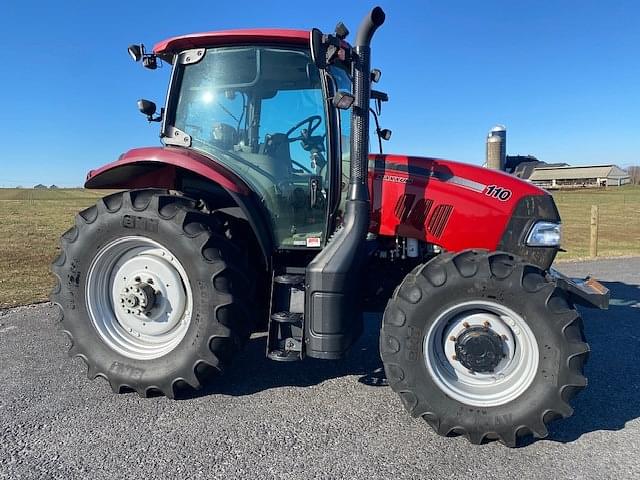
column 227, row 37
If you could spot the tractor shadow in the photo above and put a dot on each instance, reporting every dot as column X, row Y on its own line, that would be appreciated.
column 252, row 372
column 613, row 369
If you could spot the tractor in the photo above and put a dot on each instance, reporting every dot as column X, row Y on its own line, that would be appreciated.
column 264, row 211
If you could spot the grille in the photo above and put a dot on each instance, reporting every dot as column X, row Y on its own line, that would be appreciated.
column 439, row 219
column 419, row 212
column 403, row 206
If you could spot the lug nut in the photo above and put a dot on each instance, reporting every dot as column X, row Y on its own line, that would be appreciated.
column 466, row 325
column 486, row 324
column 452, row 338
column 454, row 358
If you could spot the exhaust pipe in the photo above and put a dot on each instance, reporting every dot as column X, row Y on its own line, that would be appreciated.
column 333, row 318
column 360, row 109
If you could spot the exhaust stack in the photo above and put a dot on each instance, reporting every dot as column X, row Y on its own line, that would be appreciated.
column 333, row 319
column 360, row 110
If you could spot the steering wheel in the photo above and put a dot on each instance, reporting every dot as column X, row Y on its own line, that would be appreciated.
column 311, row 123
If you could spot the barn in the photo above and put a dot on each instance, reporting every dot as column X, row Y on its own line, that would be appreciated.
column 579, row 176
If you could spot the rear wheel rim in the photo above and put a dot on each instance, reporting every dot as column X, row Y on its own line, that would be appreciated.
column 139, row 298
column 512, row 375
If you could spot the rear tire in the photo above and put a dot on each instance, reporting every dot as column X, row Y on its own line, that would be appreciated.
column 160, row 338
column 521, row 393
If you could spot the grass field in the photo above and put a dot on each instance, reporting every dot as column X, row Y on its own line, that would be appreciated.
column 619, row 221
column 31, row 222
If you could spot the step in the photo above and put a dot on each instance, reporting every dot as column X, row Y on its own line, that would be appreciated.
column 284, row 355
column 287, row 317
column 288, row 350
column 289, row 279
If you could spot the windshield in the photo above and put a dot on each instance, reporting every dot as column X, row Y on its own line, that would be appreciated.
column 260, row 111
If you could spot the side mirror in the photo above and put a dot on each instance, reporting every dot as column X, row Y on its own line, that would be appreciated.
column 325, row 49
column 136, row 52
column 318, row 49
column 148, row 108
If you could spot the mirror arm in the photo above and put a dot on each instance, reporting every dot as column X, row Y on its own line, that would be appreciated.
column 151, row 118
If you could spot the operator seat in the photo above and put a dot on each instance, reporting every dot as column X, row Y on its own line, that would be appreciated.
column 276, row 145
column 224, row 136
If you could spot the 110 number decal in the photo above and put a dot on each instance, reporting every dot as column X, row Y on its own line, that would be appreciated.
column 502, row 194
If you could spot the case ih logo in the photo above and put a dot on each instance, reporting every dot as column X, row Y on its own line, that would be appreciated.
column 394, row 178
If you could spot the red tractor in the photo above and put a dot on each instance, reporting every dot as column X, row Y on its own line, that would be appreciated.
column 264, row 209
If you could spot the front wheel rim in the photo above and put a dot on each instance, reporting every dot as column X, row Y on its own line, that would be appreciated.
column 510, row 377
column 139, row 298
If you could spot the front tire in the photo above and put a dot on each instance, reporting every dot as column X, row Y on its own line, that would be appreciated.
column 483, row 345
column 153, row 292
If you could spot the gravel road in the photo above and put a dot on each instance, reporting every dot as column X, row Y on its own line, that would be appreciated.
column 311, row 420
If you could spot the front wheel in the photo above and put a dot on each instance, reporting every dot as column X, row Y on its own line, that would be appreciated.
column 483, row 345
column 154, row 293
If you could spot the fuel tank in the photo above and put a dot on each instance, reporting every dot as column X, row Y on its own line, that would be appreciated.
column 453, row 205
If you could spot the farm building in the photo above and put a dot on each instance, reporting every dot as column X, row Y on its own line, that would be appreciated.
column 579, row 176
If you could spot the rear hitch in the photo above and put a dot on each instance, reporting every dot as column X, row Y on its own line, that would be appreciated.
column 587, row 292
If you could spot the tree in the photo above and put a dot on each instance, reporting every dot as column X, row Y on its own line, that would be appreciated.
column 634, row 173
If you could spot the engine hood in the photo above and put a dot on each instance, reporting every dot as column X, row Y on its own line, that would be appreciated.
column 452, row 204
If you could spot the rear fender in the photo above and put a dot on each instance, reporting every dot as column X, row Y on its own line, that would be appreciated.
column 189, row 172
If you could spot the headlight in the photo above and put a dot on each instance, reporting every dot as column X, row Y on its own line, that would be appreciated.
column 544, row 234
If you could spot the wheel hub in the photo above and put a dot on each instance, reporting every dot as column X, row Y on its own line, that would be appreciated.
column 481, row 353
column 137, row 298
column 480, row 349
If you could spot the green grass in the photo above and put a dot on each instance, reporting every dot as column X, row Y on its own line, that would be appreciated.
column 61, row 194
column 31, row 221
column 619, row 221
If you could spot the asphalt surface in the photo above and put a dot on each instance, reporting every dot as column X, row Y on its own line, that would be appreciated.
column 309, row 420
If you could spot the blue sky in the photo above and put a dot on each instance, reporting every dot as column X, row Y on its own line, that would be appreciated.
column 564, row 76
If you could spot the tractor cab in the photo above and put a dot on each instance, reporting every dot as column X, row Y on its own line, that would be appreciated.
column 260, row 111
column 263, row 111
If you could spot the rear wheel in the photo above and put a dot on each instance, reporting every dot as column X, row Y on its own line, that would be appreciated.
column 483, row 345
column 153, row 292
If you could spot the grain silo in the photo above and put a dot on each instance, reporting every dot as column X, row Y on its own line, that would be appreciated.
column 497, row 148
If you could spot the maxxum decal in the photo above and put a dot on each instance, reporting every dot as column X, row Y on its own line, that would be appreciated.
column 381, row 167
